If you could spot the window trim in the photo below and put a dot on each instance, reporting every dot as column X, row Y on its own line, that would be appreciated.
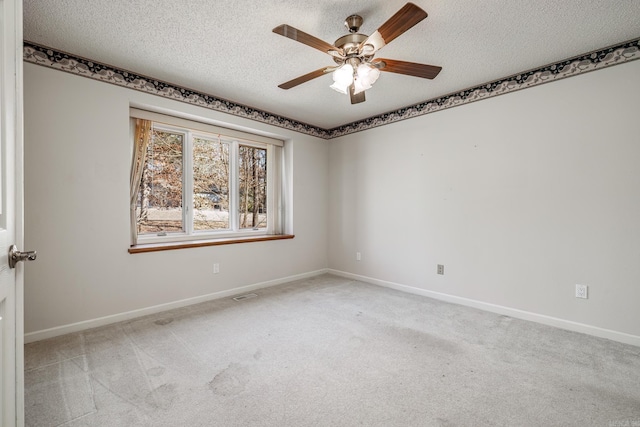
column 186, row 244
column 194, row 124
column 196, row 238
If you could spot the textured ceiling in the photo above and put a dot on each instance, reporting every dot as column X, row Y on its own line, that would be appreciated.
column 227, row 48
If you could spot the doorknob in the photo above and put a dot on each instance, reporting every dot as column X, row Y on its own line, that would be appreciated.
column 15, row 256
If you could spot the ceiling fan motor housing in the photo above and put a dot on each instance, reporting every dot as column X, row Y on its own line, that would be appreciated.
column 350, row 44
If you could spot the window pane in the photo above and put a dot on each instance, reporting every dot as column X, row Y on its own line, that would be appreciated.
column 210, row 184
column 252, row 177
column 160, row 199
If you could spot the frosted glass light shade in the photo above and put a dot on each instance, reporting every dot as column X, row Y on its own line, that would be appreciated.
column 360, row 85
column 368, row 73
column 342, row 78
column 366, row 76
column 339, row 87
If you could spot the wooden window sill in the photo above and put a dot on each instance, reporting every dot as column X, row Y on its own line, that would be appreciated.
column 155, row 247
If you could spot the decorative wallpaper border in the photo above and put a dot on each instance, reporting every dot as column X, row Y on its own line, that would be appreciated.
column 62, row 61
column 613, row 55
column 606, row 57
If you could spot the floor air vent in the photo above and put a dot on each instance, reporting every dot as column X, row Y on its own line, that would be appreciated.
column 243, row 297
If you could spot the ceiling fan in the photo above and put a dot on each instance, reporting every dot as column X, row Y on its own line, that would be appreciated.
column 356, row 68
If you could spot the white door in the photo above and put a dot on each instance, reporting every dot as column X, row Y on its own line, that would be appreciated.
column 11, row 180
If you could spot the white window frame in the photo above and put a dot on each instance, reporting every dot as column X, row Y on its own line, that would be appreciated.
column 235, row 138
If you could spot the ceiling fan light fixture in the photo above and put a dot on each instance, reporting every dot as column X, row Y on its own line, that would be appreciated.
column 360, row 85
column 339, row 87
column 366, row 76
column 344, row 74
column 342, row 78
column 368, row 72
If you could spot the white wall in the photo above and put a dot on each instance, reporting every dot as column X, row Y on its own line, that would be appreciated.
column 520, row 197
column 77, row 160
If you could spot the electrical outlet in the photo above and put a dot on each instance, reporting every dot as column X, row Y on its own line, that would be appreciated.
column 358, row 256
column 441, row 269
column 216, row 268
column 582, row 291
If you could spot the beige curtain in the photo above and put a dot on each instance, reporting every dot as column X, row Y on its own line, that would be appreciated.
column 141, row 141
column 275, row 208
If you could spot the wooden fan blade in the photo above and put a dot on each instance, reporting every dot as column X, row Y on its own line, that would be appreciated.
column 408, row 68
column 355, row 98
column 403, row 20
column 304, row 38
column 302, row 79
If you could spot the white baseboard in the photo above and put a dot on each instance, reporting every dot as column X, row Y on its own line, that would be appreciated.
column 494, row 308
column 106, row 320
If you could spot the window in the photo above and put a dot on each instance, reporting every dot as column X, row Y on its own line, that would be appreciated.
column 197, row 181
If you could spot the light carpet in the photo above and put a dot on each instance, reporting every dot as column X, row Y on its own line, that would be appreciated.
column 330, row 351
